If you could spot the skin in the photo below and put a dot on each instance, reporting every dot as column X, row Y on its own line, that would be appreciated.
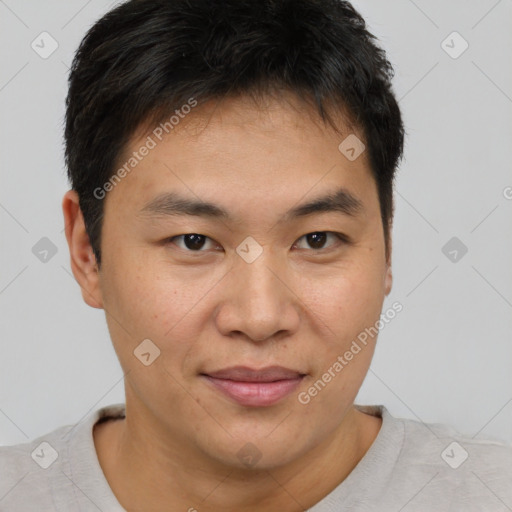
column 296, row 305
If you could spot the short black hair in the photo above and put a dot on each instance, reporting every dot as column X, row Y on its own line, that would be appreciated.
column 146, row 58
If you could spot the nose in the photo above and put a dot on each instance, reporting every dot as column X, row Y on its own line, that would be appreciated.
column 258, row 301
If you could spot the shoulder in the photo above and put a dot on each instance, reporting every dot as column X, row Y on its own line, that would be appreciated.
column 469, row 472
column 27, row 470
column 58, row 470
column 454, row 448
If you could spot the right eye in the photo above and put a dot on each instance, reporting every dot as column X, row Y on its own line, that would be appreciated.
column 191, row 242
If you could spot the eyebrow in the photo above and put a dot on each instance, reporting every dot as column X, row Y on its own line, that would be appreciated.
column 172, row 204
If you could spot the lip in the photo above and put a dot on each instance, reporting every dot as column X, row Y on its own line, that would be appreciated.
column 255, row 387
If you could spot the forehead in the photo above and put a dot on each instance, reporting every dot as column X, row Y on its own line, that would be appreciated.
column 239, row 148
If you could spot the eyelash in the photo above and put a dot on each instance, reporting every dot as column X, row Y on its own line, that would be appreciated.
column 342, row 238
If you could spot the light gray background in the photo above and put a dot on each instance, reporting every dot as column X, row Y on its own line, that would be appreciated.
column 445, row 358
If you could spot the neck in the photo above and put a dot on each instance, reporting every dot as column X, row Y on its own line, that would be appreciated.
column 148, row 471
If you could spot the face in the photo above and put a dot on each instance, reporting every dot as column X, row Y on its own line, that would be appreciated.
column 255, row 280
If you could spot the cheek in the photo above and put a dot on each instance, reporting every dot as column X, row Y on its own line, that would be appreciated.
column 145, row 305
column 162, row 304
column 155, row 305
column 349, row 306
column 348, row 301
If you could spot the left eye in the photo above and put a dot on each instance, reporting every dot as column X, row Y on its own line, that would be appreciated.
column 195, row 242
column 317, row 240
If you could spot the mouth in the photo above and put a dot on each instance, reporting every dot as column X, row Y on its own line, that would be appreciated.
column 252, row 387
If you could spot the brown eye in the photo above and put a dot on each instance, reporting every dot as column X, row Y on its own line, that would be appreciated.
column 193, row 242
column 318, row 240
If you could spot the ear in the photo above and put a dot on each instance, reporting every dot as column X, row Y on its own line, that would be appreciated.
column 388, row 278
column 83, row 262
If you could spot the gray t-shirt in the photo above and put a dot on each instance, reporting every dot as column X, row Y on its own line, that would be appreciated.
column 410, row 467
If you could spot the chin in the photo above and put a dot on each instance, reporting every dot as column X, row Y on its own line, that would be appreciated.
column 256, row 449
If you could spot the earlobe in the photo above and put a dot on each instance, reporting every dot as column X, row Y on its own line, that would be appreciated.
column 388, row 280
column 83, row 260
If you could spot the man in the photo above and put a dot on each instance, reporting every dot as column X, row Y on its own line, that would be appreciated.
column 232, row 169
